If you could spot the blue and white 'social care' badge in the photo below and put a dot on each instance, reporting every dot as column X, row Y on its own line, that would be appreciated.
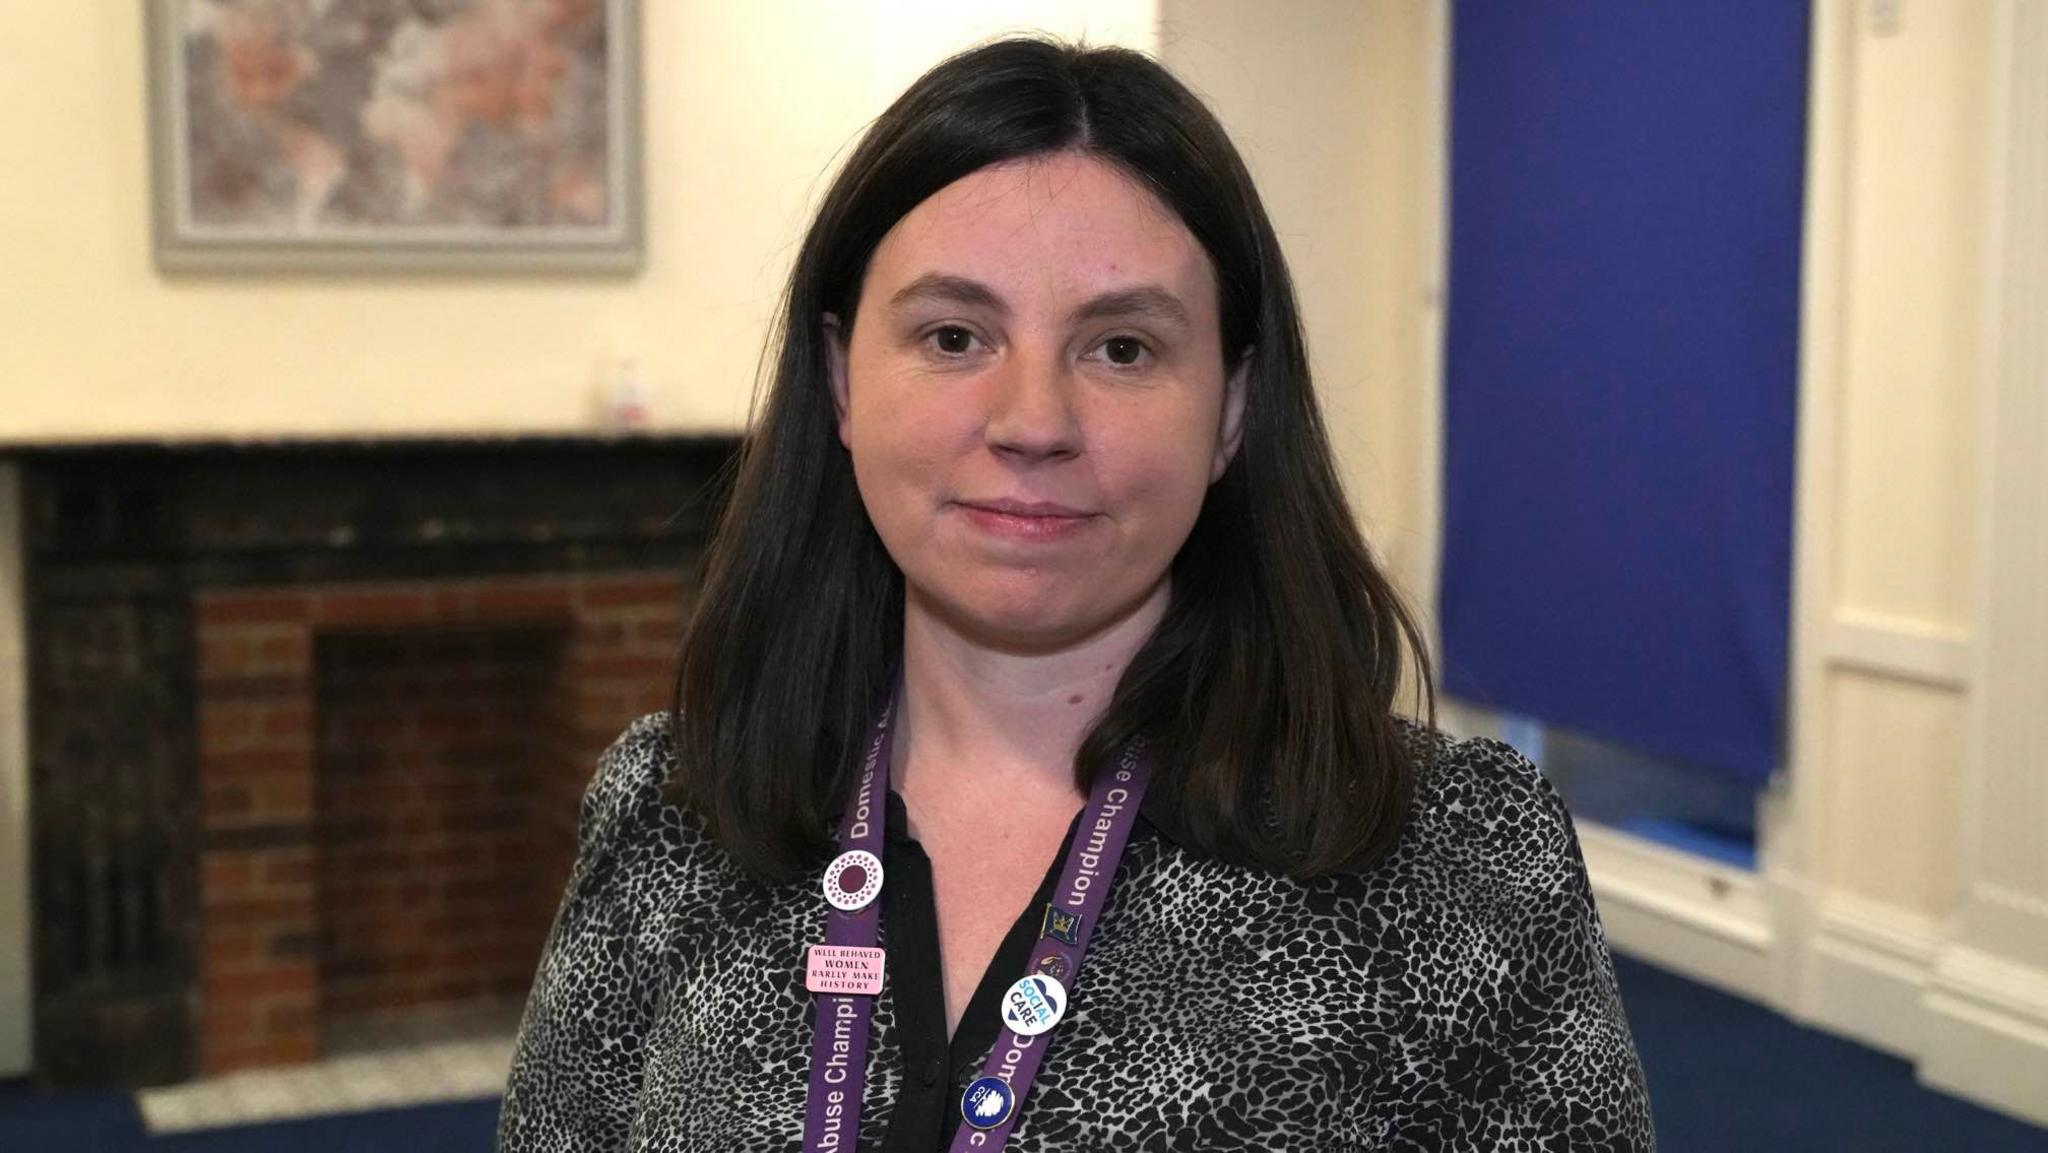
column 987, row 1103
column 852, row 880
column 1034, row 1005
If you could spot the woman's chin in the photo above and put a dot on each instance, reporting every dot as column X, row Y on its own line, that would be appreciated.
column 1018, row 625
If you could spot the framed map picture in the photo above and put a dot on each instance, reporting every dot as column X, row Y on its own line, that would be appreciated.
column 366, row 135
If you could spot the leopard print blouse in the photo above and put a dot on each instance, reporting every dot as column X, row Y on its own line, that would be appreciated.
column 1457, row 996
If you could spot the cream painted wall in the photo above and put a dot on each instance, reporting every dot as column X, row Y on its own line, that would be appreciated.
column 746, row 106
column 1897, row 746
column 1336, row 108
column 1889, row 450
column 1915, row 818
column 1916, row 201
column 1987, row 997
column 1891, row 571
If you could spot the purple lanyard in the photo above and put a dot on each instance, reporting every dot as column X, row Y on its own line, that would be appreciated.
column 839, row 1045
column 1031, row 1007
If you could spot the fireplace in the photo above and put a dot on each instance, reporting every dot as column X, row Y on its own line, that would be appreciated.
column 309, row 726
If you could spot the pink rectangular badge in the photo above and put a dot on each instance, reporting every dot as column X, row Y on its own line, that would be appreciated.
column 844, row 969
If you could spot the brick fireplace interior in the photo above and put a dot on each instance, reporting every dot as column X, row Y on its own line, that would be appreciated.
column 310, row 726
column 434, row 837
column 388, row 786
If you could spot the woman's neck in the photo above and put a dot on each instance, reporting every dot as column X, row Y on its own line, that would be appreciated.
column 983, row 722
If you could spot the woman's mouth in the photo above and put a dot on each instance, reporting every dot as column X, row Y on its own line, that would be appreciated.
column 1025, row 520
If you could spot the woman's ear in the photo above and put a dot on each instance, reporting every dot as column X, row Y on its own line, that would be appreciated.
column 1230, row 432
column 835, row 370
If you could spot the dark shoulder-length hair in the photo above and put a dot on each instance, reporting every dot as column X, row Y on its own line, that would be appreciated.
column 1266, row 693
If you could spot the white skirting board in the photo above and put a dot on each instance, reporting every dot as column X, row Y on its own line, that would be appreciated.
column 1975, row 1027
column 1864, row 973
column 1987, row 1033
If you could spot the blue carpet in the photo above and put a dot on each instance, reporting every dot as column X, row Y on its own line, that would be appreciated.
column 1725, row 1076
column 107, row 1122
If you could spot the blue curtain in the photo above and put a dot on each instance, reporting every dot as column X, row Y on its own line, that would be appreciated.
column 1620, row 369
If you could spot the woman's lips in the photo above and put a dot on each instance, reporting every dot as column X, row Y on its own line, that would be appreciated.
column 1025, row 520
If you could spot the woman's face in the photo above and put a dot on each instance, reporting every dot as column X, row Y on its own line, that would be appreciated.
column 1035, row 399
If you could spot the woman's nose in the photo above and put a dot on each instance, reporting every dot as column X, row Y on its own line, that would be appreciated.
column 1031, row 408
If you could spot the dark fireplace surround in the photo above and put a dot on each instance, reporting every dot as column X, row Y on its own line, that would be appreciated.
column 308, row 724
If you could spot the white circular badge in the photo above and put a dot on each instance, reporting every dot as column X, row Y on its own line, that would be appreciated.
column 1034, row 1005
column 852, row 880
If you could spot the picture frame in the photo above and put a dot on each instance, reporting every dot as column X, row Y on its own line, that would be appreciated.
column 450, row 136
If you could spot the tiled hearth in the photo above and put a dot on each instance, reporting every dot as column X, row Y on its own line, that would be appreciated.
column 424, row 1057
column 308, row 729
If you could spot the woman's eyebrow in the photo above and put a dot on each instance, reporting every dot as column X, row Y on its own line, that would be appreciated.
column 1146, row 300
column 946, row 289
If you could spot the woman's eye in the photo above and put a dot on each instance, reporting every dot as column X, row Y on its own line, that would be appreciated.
column 951, row 340
column 1123, row 350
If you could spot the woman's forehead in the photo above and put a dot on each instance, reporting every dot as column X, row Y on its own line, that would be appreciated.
column 1055, row 225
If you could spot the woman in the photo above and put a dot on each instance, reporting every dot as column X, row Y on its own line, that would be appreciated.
column 1038, row 626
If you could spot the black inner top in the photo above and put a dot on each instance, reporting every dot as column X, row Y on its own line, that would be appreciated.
column 935, row 1072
